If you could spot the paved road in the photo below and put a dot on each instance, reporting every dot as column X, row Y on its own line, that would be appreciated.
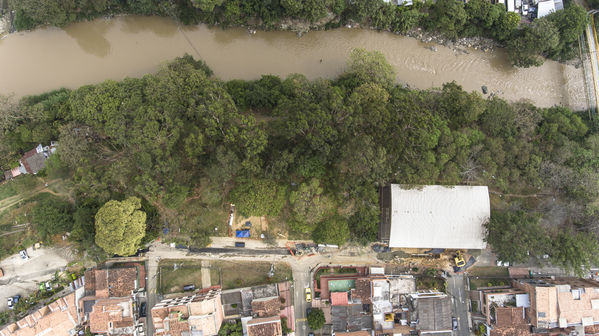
column 301, row 280
column 456, row 286
column 241, row 250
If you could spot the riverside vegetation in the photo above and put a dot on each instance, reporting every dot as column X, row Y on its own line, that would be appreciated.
column 554, row 36
column 311, row 154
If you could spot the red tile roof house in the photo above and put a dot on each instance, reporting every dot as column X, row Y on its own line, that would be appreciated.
column 32, row 161
column 109, row 304
column 198, row 314
column 265, row 326
column 562, row 303
column 59, row 318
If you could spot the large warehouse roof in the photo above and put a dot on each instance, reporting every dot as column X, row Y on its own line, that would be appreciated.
column 439, row 216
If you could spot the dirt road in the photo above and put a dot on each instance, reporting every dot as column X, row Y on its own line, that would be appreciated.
column 23, row 276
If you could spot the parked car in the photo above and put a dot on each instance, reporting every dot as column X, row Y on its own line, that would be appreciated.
column 23, row 254
column 142, row 309
column 48, row 286
column 16, row 299
column 11, row 303
column 308, row 295
column 189, row 287
column 239, row 244
column 454, row 323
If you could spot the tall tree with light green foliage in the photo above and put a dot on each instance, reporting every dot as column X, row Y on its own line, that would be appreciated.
column 120, row 226
column 370, row 67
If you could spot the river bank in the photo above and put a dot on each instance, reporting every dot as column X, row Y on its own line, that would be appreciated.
column 131, row 46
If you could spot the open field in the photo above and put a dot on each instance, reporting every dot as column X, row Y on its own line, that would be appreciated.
column 479, row 283
column 174, row 274
column 488, row 271
column 233, row 274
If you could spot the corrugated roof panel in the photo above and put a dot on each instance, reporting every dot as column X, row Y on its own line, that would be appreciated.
column 439, row 216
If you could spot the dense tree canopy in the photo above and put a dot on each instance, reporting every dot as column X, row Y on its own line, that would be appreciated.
column 51, row 216
column 182, row 140
column 515, row 235
column 120, row 226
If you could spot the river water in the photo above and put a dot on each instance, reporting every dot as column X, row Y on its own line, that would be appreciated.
column 90, row 52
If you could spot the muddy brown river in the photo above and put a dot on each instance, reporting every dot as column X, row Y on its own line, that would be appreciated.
column 90, row 52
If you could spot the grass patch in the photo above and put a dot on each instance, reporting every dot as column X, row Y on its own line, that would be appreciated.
column 430, row 283
column 172, row 279
column 489, row 271
column 474, row 305
column 235, row 274
column 7, row 190
column 479, row 283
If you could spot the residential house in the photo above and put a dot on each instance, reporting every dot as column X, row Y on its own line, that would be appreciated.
column 60, row 318
column 431, row 313
column 32, row 161
column 259, row 301
column 111, row 295
column 266, row 326
column 434, row 216
column 505, row 309
column 198, row 314
column 561, row 303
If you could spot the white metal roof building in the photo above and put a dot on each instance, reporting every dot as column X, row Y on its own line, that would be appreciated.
column 434, row 216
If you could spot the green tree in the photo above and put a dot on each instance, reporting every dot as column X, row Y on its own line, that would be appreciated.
column 258, row 197
column 51, row 216
column 514, row 234
column 575, row 251
column 448, row 17
column 532, row 42
column 230, row 329
column 333, row 230
column 120, row 226
column 315, row 319
column 207, row 5
column 309, row 205
column 370, row 67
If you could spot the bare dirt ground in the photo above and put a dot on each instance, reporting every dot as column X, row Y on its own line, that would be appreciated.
column 23, row 276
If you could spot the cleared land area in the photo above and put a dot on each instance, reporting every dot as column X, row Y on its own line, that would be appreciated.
column 229, row 274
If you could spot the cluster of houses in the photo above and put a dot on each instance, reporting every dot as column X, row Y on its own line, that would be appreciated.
column 563, row 306
column 32, row 161
column 112, row 301
column 369, row 302
column 106, row 301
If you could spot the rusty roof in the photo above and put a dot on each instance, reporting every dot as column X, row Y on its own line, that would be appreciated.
column 113, row 282
column 511, row 331
column 510, row 316
column 269, row 306
column 362, row 290
column 266, row 326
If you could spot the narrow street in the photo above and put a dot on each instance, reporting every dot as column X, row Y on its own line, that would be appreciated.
column 456, row 287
